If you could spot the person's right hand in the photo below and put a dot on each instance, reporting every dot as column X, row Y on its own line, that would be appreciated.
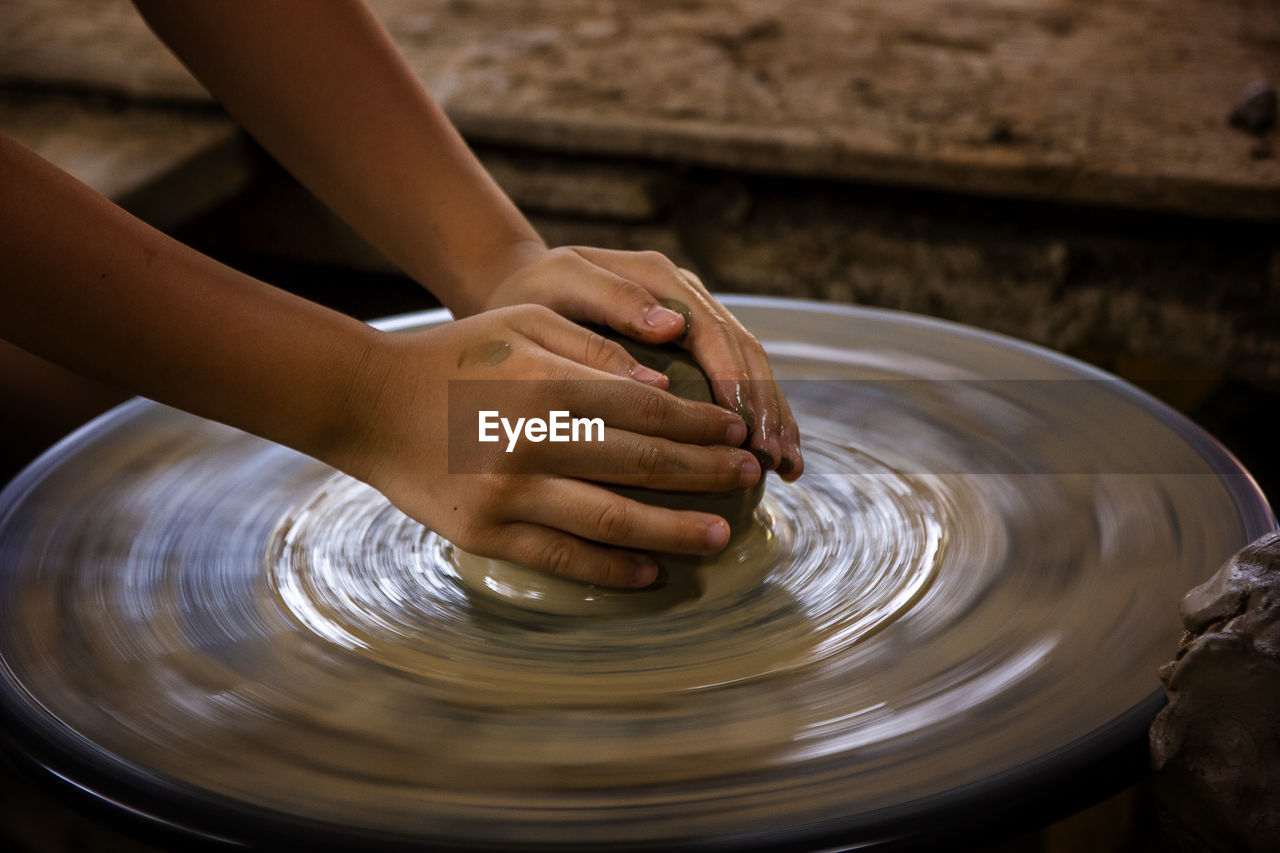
column 541, row 505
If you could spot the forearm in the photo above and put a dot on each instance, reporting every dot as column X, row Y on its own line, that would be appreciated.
column 323, row 88
column 92, row 288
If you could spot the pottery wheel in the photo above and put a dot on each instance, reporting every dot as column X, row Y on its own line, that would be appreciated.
column 976, row 581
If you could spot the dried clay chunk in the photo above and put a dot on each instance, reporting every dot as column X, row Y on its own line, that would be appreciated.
column 1215, row 747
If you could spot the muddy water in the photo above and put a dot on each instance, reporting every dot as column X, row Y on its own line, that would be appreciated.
column 982, row 565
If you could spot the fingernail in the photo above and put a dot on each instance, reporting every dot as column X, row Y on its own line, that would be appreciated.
column 750, row 472
column 657, row 315
column 645, row 570
column 735, row 434
column 717, row 534
column 648, row 375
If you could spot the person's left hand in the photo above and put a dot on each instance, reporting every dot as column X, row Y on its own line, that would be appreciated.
column 625, row 291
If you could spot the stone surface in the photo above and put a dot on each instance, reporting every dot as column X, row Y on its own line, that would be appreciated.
column 1216, row 745
column 1115, row 103
column 624, row 192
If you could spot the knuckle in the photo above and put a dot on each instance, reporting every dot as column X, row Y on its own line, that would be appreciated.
column 762, row 391
column 721, row 326
column 712, row 430
column 523, row 459
column 555, row 373
column 664, row 263
column 613, row 522
column 689, row 534
column 557, row 557
column 653, row 412
column 531, row 312
column 571, row 261
column 601, row 350
column 652, row 460
column 634, row 293
column 512, row 315
column 729, row 468
column 499, row 490
column 473, row 536
column 680, row 534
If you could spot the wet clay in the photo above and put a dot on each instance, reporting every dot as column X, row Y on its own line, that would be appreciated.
column 486, row 354
column 739, row 567
column 684, row 311
column 690, row 582
column 1216, row 746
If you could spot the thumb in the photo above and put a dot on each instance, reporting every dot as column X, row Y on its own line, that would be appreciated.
column 660, row 320
column 608, row 299
column 634, row 311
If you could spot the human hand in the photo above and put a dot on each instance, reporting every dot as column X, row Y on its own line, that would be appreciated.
column 625, row 291
column 414, row 438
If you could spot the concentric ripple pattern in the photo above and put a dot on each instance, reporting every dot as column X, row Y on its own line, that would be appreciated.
column 980, row 568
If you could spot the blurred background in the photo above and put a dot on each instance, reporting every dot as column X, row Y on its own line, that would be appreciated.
column 1099, row 178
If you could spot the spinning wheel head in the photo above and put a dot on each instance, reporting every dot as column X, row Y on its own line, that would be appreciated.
column 968, row 595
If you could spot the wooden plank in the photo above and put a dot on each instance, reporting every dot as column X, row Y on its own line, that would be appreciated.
column 165, row 166
column 1118, row 103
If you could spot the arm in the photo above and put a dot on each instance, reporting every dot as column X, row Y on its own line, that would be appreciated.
column 99, row 292
column 94, row 289
column 323, row 88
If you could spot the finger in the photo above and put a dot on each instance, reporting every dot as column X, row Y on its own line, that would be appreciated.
column 640, row 408
column 722, row 359
column 544, row 327
column 590, row 293
column 629, row 459
column 791, row 465
column 728, row 353
column 633, row 294
column 714, row 336
column 765, row 400
column 593, row 512
column 714, row 343
column 558, row 553
column 775, row 431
